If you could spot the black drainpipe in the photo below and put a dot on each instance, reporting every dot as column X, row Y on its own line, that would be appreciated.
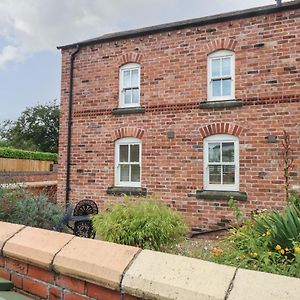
column 68, row 189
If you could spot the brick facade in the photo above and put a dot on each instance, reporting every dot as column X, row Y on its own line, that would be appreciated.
column 173, row 86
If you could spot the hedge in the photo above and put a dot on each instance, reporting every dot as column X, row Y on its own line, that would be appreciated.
column 23, row 154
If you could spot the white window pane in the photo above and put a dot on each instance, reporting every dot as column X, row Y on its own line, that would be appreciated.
column 123, row 153
column 228, row 152
column 134, row 153
column 226, row 87
column 214, row 152
column 228, row 174
column 127, row 96
column 214, row 174
column 124, row 172
column 134, row 78
column 216, row 88
column 135, row 173
column 215, row 68
column 135, row 96
column 126, row 80
column 226, row 66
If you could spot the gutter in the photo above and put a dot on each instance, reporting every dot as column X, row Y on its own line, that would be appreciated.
column 70, row 122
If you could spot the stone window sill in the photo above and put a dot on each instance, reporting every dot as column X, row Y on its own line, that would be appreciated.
column 221, row 195
column 132, row 191
column 221, row 104
column 128, row 110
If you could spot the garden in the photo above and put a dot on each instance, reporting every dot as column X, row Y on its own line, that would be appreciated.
column 268, row 241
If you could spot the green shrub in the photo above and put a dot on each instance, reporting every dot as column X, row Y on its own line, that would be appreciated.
column 23, row 154
column 144, row 223
column 295, row 200
column 23, row 208
column 270, row 242
column 7, row 201
column 283, row 227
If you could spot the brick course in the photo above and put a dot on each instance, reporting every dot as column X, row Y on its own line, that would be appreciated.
column 173, row 84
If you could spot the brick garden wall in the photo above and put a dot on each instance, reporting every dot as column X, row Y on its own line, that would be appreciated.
column 173, row 84
column 34, row 181
column 50, row 265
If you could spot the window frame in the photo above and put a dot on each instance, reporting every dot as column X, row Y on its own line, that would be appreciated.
column 129, row 67
column 218, row 55
column 127, row 141
column 215, row 139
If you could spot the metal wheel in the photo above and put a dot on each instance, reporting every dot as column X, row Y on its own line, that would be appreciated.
column 85, row 207
column 84, row 229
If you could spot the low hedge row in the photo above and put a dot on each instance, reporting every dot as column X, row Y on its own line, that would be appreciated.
column 23, row 154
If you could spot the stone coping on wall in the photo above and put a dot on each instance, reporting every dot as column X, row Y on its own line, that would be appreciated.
column 28, row 184
column 125, row 271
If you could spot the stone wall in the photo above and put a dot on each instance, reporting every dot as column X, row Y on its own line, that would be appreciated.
column 50, row 265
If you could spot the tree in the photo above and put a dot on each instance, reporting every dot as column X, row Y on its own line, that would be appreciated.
column 36, row 129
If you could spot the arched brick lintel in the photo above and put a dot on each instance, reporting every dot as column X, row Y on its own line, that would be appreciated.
column 220, row 128
column 129, row 58
column 128, row 132
column 221, row 44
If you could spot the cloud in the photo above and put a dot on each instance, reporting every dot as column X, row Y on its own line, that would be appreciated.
column 8, row 53
column 31, row 26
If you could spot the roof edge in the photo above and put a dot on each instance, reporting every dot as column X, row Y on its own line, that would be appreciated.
column 235, row 15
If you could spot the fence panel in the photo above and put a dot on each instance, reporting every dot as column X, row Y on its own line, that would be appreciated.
column 24, row 165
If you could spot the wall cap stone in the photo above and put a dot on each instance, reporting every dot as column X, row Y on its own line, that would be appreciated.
column 8, row 230
column 30, row 184
column 155, row 275
column 253, row 285
column 36, row 245
column 96, row 261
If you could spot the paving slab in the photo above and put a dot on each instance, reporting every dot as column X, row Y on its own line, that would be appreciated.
column 12, row 296
column 7, row 230
column 253, row 285
column 36, row 245
column 155, row 275
column 95, row 261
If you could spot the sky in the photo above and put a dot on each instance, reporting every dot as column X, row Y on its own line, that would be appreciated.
column 30, row 31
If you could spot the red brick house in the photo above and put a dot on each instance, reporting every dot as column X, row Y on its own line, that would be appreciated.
column 192, row 112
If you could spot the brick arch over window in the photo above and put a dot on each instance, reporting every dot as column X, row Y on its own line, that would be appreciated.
column 221, row 44
column 130, row 58
column 220, row 128
column 128, row 132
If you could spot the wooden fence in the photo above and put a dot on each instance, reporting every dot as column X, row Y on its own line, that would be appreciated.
column 24, row 165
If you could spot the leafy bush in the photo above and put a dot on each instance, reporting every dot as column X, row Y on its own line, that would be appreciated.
column 7, row 201
column 270, row 242
column 144, row 223
column 27, row 209
column 283, row 228
column 23, row 154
